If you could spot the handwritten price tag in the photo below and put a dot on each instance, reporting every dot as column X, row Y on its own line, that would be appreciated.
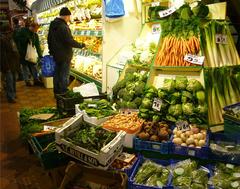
column 155, row 4
column 183, row 126
column 221, row 39
column 167, row 12
column 199, row 60
column 155, row 28
column 157, row 103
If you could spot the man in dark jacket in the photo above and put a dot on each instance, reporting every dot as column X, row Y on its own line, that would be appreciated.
column 60, row 44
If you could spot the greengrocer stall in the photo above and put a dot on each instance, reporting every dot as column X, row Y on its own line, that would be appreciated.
column 171, row 116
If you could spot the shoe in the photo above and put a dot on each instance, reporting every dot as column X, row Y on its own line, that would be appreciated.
column 28, row 83
column 12, row 101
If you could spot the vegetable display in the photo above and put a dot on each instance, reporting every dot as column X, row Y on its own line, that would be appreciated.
column 181, row 99
column 219, row 53
column 223, row 88
column 194, row 137
column 91, row 137
column 97, row 108
column 180, row 36
column 154, row 131
column 124, row 161
column 226, row 176
column 127, row 93
column 186, row 174
column 71, row 94
column 126, row 122
column 152, row 174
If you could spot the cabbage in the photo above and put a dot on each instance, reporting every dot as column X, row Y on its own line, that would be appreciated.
column 201, row 97
column 181, row 82
column 188, row 108
column 175, row 110
column 194, row 85
column 169, row 85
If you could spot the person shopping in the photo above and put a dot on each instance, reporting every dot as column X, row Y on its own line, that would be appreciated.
column 60, row 44
column 25, row 36
column 9, row 62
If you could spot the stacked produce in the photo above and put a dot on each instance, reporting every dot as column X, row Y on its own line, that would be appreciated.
column 155, row 131
column 126, row 122
column 194, row 137
column 219, row 50
column 152, row 174
column 93, row 138
column 127, row 93
column 97, row 108
column 181, row 99
column 180, row 36
column 226, row 176
column 94, row 44
column 186, row 174
column 223, row 88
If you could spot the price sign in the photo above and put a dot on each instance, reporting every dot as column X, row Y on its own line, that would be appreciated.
column 191, row 152
column 155, row 28
column 194, row 59
column 157, row 103
column 221, row 39
column 167, row 12
column 155, row 4
column 183, row 126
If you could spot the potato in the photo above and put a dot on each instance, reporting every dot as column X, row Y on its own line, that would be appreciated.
column 196, row 142
column 175, row 131
column 183, row 137
column 195, row 136
column 143, row 135
column 154, row 138
column 183, row 144
column 189, row 141
column 177, row 141
column 188, row 133
column 179, row 133
column 201, row 143
column 199, row 136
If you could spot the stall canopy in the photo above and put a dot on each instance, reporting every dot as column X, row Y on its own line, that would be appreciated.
column 42, row 5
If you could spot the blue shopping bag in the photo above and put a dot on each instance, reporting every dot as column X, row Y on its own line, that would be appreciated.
column 114, row 8
column 48, row 66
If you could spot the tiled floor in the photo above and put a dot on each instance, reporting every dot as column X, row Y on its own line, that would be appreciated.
column 18, row 168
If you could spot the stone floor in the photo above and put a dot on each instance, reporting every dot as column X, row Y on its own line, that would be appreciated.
column 18, row 168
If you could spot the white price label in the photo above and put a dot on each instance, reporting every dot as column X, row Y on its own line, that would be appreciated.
column 157, row 103
column 194, row 59
column 156, row 147
column 221, row 39
column 155, row 4
column 183, row 126
column 49, row 128
column 167, row 12
column 88, row 32
column 155, row 28
column 191, row 152
column 92, row 105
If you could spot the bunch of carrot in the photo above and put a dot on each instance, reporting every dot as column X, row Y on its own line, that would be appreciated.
column 173, row 50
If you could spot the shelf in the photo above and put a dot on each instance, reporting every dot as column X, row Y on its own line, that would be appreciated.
column 87, row 53
column 97, row 33
column 85, row 78
column 179, row 68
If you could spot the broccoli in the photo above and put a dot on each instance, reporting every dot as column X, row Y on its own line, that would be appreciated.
column 119, row 85
column 175, row 110
column 130, row 87
column 130, row 70
column 161, row 94
column 169, row 85
column 146, row 103
column 194, row 85
column 128, row 96
column 175, row 98
column 129, row 78
column 201, row 109
column 121, row 93
column 131, row 105
column 151, row 90
column 137, row 101
column 200, row 97
column 188, row 108
column 139, row 88
column 181, row 82
column 186, row 97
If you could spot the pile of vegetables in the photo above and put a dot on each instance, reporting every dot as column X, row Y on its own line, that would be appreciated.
column 180, row 36
column 92, row 138
column 97, row 108
column 155, row 131
column 219, row 53
column 129, row 123
column 226, row 176
column 195, row 137
column 233, row 111
column 223, row 89
column 152, row 174
column 71, row 94
column 182, row 100
column 127, row 93
column 186, row 174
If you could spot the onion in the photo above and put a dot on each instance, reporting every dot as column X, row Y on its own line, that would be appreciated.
column 189, row 141
column 201, row 142
column 177, row 141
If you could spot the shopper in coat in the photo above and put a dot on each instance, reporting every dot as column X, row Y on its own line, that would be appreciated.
column 60, row 44
column 23, row 38
column 9, row 62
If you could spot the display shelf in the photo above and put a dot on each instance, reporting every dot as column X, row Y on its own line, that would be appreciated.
column 87, row 52
column 179, row 68
column 85, row 78
column 97, row 33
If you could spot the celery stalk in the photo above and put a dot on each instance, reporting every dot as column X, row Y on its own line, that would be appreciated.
column 213, row 42
column 210, row 61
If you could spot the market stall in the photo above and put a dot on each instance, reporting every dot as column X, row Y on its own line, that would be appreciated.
column 171, row 119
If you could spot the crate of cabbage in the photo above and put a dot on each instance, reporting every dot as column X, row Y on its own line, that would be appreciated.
column 90, row 144
column 95, row 111
column 128, row 91
column 177, row 99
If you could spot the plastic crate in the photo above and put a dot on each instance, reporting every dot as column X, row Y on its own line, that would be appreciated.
column 139, row 163
column 224, row 156
column 143, row 145
column 202, row 152
column 100, row 160
column 49, row 160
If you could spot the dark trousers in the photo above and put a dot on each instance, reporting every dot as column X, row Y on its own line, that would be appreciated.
column 61, row 77
column 10, row 85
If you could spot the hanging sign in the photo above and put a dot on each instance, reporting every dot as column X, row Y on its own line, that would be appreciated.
column 221, row 39
column 167, row 12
